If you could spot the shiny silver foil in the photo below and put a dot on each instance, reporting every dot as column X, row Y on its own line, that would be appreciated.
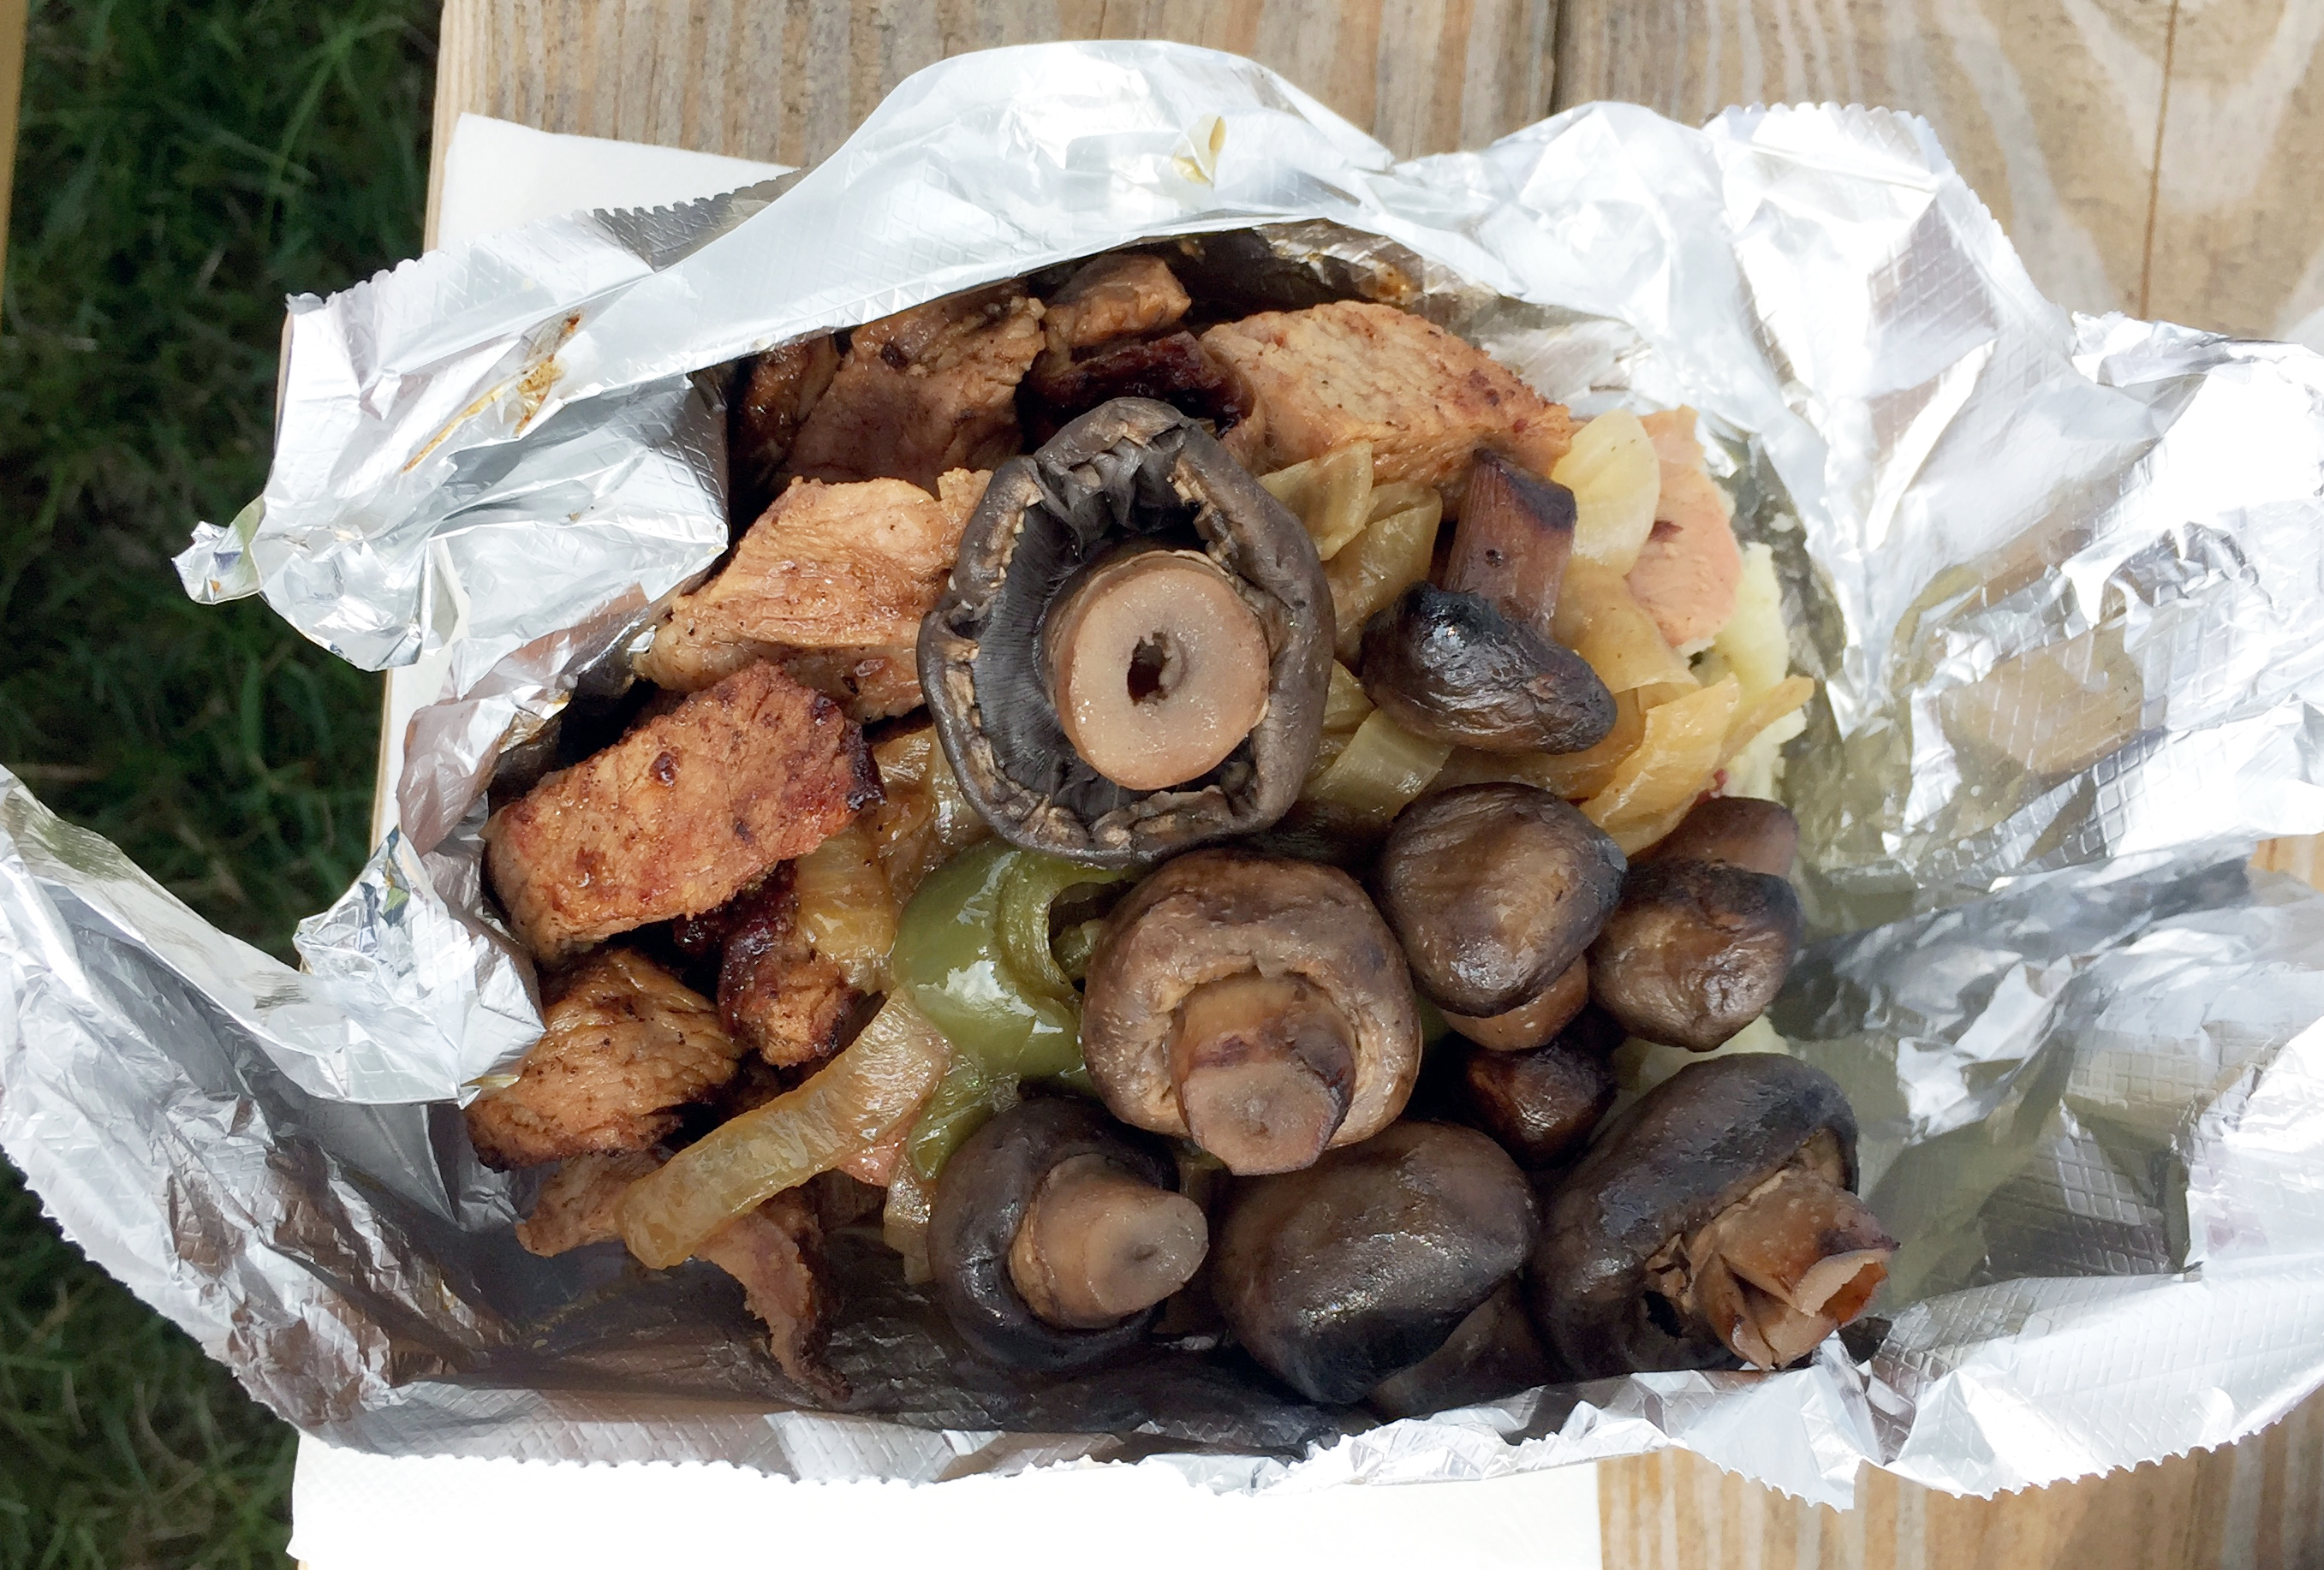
column 2062, row 578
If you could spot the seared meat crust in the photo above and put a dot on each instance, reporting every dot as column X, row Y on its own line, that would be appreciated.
column 576, row 1204
column 1352, row 370
column 626, row 1045
column 686, row 811
column 1113, row 297
column 776, row 1252
column 775, row 994
column 771, row 397
column 925, row 390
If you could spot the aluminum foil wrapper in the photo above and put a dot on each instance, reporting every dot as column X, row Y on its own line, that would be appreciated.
column 2060, row 577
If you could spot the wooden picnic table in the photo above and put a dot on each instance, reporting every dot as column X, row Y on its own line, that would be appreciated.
column 2160, row 157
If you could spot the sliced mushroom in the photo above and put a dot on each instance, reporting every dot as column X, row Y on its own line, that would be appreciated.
column 1532, row 1023
column 1255, row 1004
column 1713, row 1222
column 1057, row 1234
column 1735, row 831
column 1337, row 1277
column 1540, row 1104
column 1451, row 668
column 1495, row 890
column 1695, row 951
column 1057, row 632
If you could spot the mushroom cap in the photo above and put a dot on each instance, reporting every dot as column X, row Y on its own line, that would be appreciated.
column 981, row 1200
column 1541, row 1103
column 1494, row 890
column 1685, row 1151
column 1339, row 1275
column 1128, row 470
column 1450, row 667
column 1746, row 831
column 1694, row 950
column 1214, row 914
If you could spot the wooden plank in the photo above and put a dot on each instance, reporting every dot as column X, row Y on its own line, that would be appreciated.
column 14, row 14
column 786, row 80
column 2049, row 107
column 2239, row 208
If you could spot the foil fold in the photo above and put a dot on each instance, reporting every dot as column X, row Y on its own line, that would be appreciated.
column 2060, row 575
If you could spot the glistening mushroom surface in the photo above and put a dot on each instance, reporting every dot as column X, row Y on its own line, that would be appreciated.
column 1494, row 890
column 1130, row 472
column 1695, row 951
column 1263, row 994
column 1633, row 1270
column 1339, row 1276
column 1082, row 1181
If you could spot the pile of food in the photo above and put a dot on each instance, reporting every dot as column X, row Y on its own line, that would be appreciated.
column 1209, row 830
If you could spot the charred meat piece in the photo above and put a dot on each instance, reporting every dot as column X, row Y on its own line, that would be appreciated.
column 776, row 1252
column 686, row 811
column 925, row 390
column 1175, row 369
column 1713, row 1222
column 1130, row 606
column 776, row 996
column 772, row 394
column 625, row 1046
column 575, row 1205
column 1353, row 371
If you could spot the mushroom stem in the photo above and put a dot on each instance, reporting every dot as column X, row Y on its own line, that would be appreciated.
column 1158, row 668
column 1781, row 1268
column 1264, row 1067
column 1511, row 545
column 1098, row 1245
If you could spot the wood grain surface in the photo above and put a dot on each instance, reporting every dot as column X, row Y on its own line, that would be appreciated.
column 786, row 80
column 2162, row 156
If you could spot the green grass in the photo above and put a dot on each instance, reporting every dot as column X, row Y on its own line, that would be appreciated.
column 181, row 165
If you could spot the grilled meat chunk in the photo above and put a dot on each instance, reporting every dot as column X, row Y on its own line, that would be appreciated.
column 867, row 684
column 772, row 394
column 776, row 1252
column 1352, row 370
column 1113, row 297
column 575, row 1205
column 925, row 390
column 775, row 994
column 680, row 815
column 625, row 1046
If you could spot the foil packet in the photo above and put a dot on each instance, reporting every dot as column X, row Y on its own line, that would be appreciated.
column 2060, row 575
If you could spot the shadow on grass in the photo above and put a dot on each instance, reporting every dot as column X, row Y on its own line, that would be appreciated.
column 182, row 165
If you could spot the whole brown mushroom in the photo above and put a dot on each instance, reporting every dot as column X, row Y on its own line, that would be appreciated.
column 1713, row 1223
column 1340, row 1276
column 1495, row 890
column 1533, row 1022
column 1540, row 1104
column 1056, row 1235
column 1133, row 654
column 1706, row 929
column 1255, row 1004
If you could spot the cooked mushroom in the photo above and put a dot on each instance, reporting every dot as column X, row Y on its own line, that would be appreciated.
column 1713, row 1222
column 1055, row 1235
column 1255, row 1004
column 1532, row 1023
column 1695, row 951
column 1494, row 1352
column 1067, row 670
column 1735, row 831
column 1476, row 663
column 1336, row 1277
column 1542, row 1104
column 1494, row 890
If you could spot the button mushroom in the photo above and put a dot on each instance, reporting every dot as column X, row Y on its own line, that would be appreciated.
column 1494, row 1352
column 1133, row 652
column 1255, row 1004
column 1057, row 1234
column 1706, row 931
column 1475, row 663
column 1714, row 1221
column 1532, row 1023
column 1539, row 1104
column 1495, row 890
column 1337, row 1277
